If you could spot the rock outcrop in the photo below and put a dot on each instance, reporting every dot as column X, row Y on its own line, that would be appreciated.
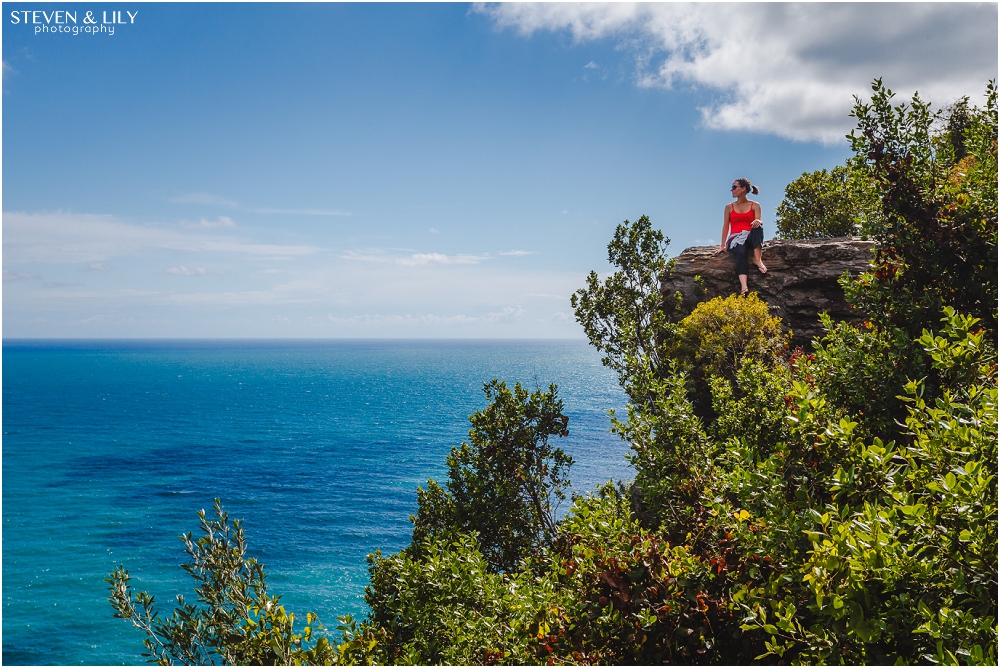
column 801, row 281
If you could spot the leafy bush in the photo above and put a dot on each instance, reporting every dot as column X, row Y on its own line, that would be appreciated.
column 751, row 412
column 636, row 598
column 722, row 333
column 903, row 561
column 670, row 453
column 834, row 203
column 444, row 603
column 718, row 336
column 506, row 482
column 234, row 621
column 862, row 369
column 937, row 244
column 623, row 316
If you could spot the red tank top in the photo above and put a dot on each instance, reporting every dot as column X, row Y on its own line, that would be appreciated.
column 740, row 222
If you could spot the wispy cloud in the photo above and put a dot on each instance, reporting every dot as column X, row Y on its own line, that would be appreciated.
column 416, row 259
column 203, row 224
column 508, row 314
column 590, row 66
column 87, row 238
column 424, row 259
column 516, row 253
column 11, row 276
column 788, row 69
column 95, row 266
column 184, row 271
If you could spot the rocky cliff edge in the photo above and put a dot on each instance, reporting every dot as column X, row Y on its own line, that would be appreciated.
column 801, row 281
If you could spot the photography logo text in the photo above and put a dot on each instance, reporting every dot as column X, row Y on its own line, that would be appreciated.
column 73, row 22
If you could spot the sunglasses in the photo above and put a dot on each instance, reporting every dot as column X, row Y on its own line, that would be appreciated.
column 734, row 187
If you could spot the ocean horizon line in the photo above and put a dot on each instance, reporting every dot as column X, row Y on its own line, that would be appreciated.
column 13, row 342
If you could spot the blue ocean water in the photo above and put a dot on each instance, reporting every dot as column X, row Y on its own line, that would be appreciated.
column 111, row 447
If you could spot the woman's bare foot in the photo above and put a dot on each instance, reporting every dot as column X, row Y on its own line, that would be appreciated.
column 761, row 268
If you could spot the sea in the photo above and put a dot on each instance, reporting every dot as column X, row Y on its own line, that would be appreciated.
column 110, row 448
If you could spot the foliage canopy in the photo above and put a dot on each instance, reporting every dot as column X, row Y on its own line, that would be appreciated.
column 834, row 203
column 505, row 484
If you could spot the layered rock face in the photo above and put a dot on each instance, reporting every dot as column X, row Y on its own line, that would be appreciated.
column 801, row 281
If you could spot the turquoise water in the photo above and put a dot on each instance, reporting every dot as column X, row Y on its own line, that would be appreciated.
column 110, row 448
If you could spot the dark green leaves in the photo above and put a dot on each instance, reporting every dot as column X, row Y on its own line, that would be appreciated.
column 506, row 482
column 622, row 316
column 234, row 622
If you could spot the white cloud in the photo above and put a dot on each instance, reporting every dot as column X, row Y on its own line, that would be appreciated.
column 221, row 221
column 95, row 266
column 415, row 259
column 516, row 253
column 424, row 259
column 590, row 66
column 76, row 238
column 507, row 315
column 184, row 271
column 788, row 69
column 11, row 276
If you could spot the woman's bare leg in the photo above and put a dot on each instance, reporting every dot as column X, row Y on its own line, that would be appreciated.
column 757, row 261
column 743, row 284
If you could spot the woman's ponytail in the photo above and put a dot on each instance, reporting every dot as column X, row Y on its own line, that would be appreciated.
column 748, row 186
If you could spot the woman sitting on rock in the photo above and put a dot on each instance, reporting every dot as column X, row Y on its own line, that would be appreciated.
column 743, row 231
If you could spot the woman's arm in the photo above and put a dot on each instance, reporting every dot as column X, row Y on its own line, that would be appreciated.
column 725, row 228
column 756, row 212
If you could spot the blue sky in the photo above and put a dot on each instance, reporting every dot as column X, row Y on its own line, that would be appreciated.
column 413, row 170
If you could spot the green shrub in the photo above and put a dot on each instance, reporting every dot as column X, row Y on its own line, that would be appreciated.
column 623, row 316
column 937, row 244
column 903, row 559
column 445, row 604
column 835, row 203
column 671, row 454
column 505, row 484
column 751, row 412
column 862, row 369
column 718, row 336
column 234, row 621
